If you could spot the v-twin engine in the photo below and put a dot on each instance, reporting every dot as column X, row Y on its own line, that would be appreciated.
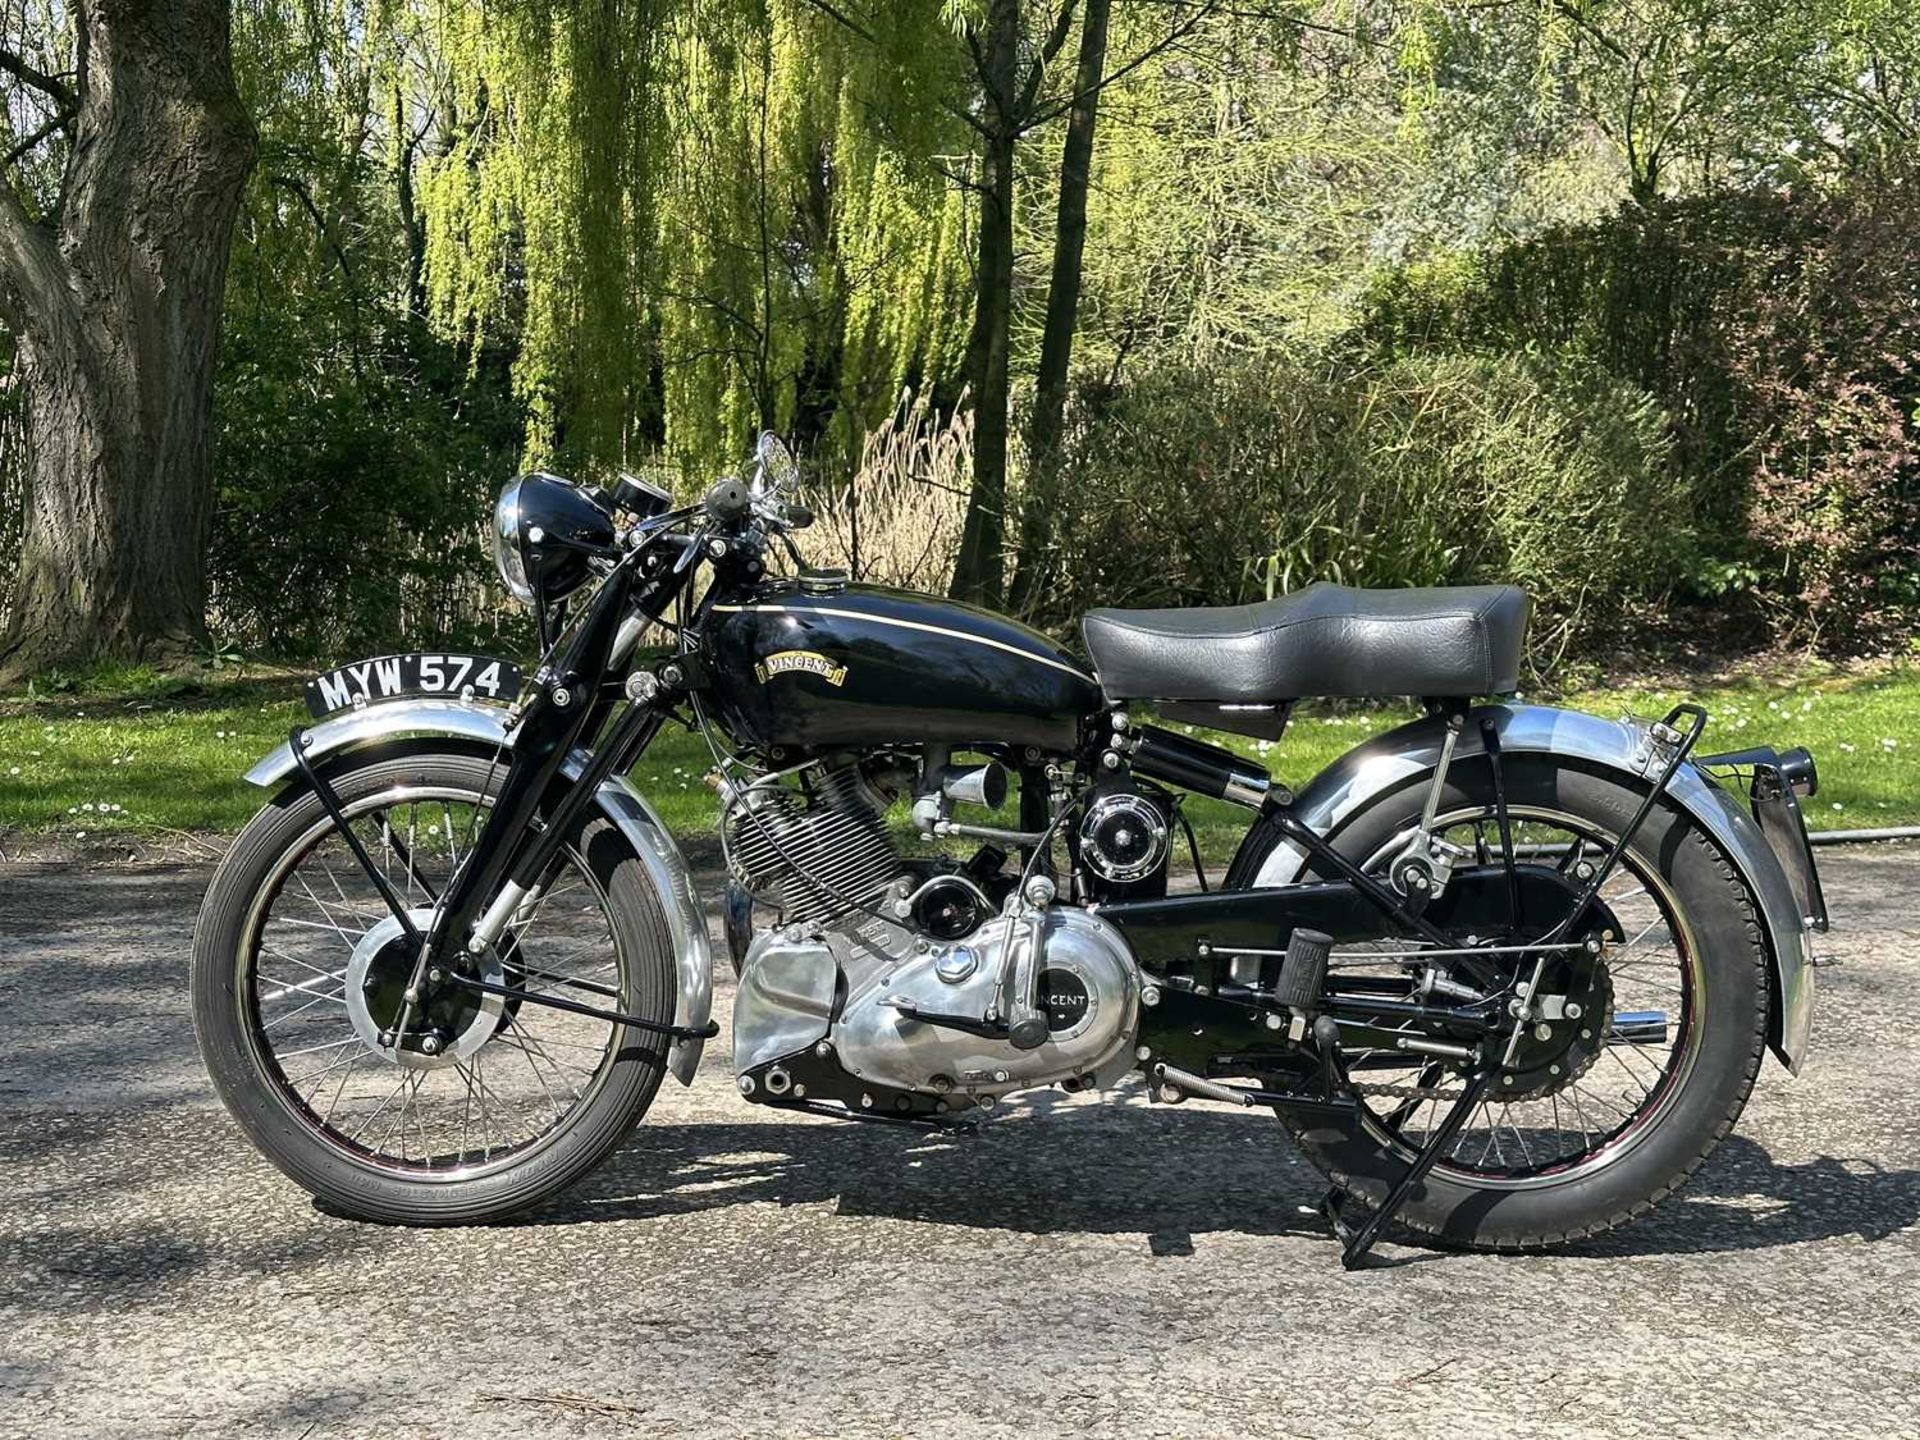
column 827, row 1015
column 819, row 853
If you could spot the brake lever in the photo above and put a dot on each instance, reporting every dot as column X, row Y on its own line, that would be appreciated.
column 793, row 551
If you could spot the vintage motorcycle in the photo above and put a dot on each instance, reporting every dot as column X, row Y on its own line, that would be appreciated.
column 1506, row 974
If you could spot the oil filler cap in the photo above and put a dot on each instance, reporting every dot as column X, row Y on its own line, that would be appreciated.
column 824, row 581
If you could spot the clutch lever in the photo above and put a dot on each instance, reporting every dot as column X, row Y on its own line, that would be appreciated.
column 793, row 551
column 687, row 557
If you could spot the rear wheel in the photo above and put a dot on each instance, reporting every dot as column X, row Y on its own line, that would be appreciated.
column 1620, row 1104
column 491, row 1104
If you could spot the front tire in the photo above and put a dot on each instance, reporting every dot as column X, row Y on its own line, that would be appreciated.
column 458, row 1138
column 1719, row 1011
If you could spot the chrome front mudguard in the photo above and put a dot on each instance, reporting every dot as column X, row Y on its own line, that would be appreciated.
column 1411, row 753
column 624, row 807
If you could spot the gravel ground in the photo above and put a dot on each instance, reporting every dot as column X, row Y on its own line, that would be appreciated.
column 1079, row 1267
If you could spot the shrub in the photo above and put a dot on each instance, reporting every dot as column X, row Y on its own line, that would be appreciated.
column 1233, row 483
column 898, row 520
column 1777, row 331
column 353, row 492
column 1822, row 359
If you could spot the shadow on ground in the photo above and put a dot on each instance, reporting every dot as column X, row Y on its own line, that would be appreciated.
column 1170, row 1176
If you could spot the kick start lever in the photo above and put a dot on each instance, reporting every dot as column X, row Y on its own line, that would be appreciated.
column 1020, row 971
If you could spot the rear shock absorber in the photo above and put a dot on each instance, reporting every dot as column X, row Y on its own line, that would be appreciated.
column 1192, row 765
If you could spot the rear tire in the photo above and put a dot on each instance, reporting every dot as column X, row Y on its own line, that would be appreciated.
column 1360, row 1158
column 250, row 1077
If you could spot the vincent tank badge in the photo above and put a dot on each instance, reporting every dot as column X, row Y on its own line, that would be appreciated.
column 800, row 662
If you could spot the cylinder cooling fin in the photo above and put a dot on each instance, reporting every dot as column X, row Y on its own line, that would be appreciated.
column 818, row 852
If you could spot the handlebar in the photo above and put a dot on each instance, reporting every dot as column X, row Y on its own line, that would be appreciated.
column 729, row 501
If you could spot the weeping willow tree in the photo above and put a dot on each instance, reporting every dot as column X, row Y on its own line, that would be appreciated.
column 701, row 217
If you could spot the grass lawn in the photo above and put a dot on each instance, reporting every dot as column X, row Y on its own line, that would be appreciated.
column 125, row 753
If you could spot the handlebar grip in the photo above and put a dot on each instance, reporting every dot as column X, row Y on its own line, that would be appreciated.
column 728, row 500
column 798, row 517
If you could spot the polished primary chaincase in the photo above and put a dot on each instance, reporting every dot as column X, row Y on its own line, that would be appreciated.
column 819, row 1016
column 817, row 853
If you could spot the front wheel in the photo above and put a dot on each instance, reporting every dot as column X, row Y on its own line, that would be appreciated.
column 1650, row 1080
column 496, row 1103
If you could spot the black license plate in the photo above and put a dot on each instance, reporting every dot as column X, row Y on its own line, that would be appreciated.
column 395, row 677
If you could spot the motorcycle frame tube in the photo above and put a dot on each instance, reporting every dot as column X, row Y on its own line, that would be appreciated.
column 481, row 728
column 545, row 735
column 1384, row 766
column 1206, row 931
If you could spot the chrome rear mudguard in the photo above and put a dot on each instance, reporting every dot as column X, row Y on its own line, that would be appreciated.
column 1411, row 753
column 623, row 806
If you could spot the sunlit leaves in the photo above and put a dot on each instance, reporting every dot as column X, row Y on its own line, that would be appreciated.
column 703, row 216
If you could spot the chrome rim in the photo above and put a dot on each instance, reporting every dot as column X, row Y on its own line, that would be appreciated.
column 1613, row 1103
column 519, row 1075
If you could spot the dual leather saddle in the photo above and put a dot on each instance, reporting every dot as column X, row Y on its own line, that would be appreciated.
column 1455, row 641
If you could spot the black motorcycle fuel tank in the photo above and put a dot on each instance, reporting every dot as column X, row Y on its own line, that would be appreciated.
column 806, row 664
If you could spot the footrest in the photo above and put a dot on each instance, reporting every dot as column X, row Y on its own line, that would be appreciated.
column 1303, row 973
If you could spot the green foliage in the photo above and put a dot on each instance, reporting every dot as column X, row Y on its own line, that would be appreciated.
column 356, row 452
column 126, row 755
column 492, row 231
column 1245, row 480
column 353, row 487
column 1777, row 330
column 1250, row 185
column 706, row 218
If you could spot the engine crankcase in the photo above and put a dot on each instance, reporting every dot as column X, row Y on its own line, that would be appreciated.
column 1089, row 990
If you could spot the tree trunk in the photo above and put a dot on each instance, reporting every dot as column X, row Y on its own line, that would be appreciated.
column 115, row 302
column 978, row 570
column 1063, row 310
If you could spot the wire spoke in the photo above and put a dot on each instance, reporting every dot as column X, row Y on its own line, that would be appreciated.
column 315, row 1049
column 300, row 1010
column 332, row 924
column 1652, row 925
column 539, row 1047
column 340, row 930
column 378, row 1112
column 324, row 1071
column 301, row 987
column 1619, row 1054
column 1574, row 1116
column 513, row 1043
column 528, row 1073
column 1506, row 1112
column 353, row 1061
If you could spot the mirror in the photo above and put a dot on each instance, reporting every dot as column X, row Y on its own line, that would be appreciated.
column 775, row 471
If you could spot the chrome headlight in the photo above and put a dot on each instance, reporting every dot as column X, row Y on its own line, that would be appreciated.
column 546, row 533
column 507, row 555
